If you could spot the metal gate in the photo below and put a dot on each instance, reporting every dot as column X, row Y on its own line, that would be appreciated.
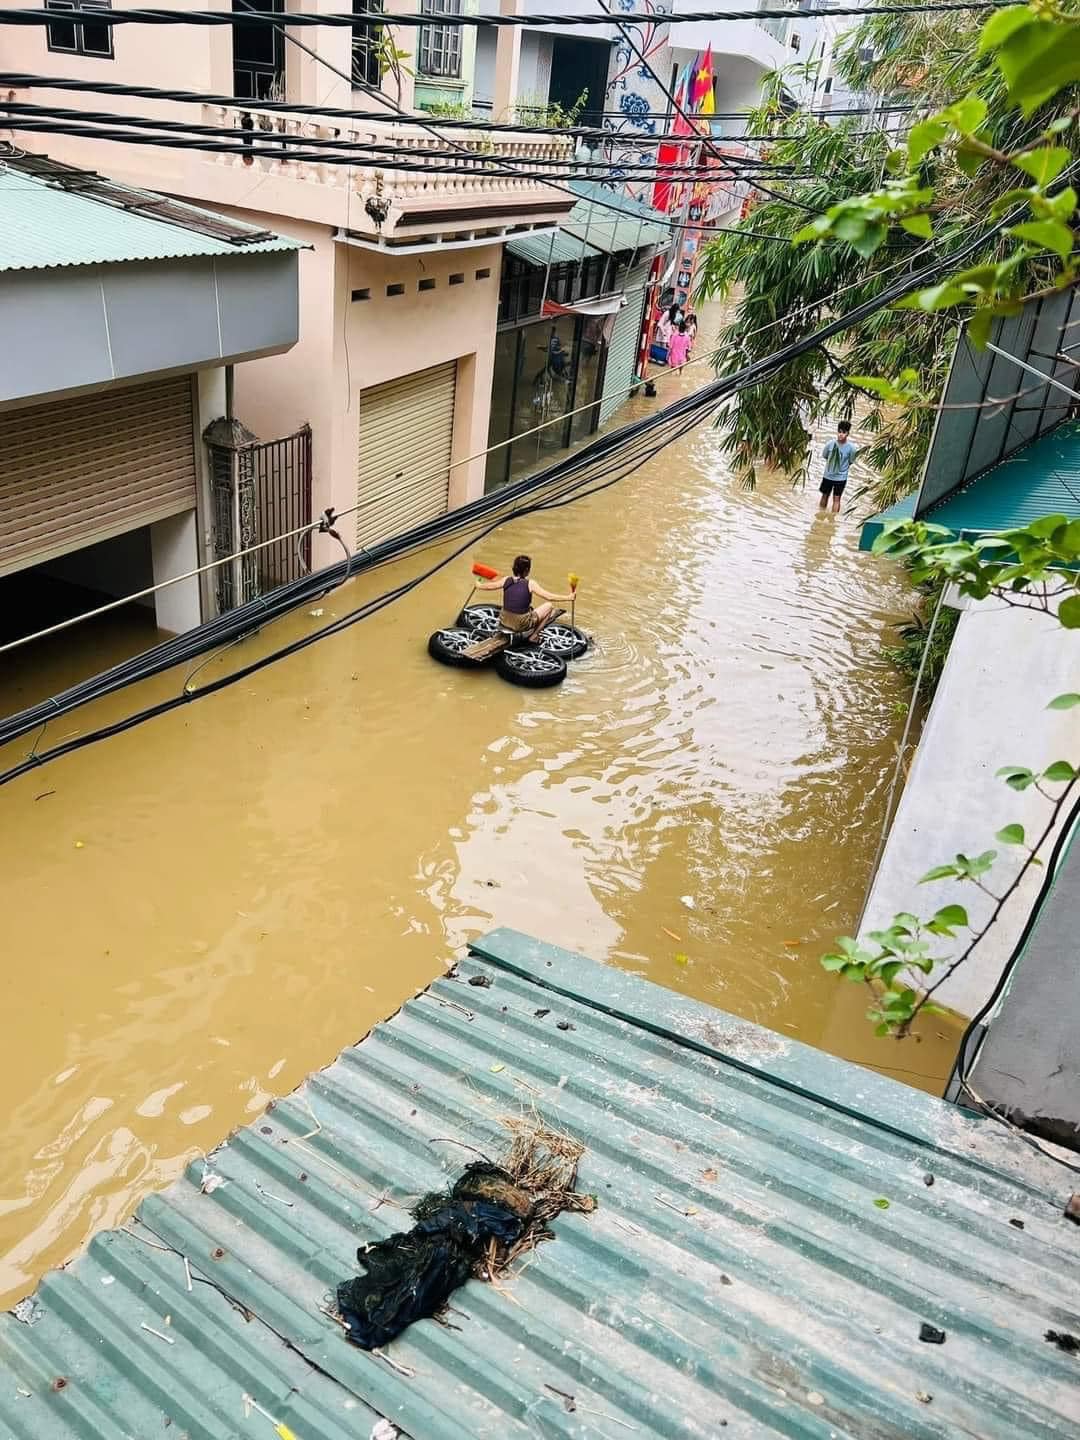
column 259, row 491
column 281, row 471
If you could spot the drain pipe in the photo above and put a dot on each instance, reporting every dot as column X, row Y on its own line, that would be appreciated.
column 230, row 390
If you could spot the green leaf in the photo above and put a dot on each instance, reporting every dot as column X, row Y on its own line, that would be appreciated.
column 1002, row 25
column 833, row 962
column 1016, row 776
column 1011, row 835
column 1037, row 60
column 952, row 915
column 1049, row 234
column 1058, row 771
column 918, row 225
column 979, row 327
column 1045, row 164
column 924, row 137
column 930, row 1008
column 939, row 872
column 881, row 1203
column 871, row 238
column 1060, row 206
column 965, row 115
column 1042, row 528
column 1069, row 613
column 890, row 970
column 1064, row 702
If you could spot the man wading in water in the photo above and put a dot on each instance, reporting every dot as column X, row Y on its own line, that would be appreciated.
column 518, row 612
column 839, row 454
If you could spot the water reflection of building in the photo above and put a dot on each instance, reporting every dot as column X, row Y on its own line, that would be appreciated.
column 571, row 307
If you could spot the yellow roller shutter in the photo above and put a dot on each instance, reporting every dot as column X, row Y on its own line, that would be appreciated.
column 73, row 472
column 405, row 448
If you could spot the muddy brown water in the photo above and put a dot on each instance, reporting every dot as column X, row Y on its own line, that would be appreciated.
column 203, row 910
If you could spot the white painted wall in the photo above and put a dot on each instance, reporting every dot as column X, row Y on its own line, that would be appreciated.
column 174, row 544
column 990, row 710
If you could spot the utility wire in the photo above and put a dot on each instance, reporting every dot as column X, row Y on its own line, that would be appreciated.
column 23, row 81
column 684, row 412
column 256, row 141
column 246, row 18
column 20, row 79
column 319, row 157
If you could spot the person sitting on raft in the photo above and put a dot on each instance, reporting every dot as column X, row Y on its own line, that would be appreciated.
column 519, row 614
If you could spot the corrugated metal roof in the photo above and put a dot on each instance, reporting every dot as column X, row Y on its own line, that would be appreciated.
column 554, row 249
column 46, row 226
column 740, row 1277
column 1041, row 479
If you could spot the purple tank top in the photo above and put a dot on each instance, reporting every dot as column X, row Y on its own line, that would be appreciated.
column 517, row 597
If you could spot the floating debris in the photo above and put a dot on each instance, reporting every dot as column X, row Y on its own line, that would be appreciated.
column 28, row 1311
column 169, row 1339
column 881, row 1203
column 482, row 982
column 492, row 1214
column 211, row 1181
column 1064, row 1341
column 928, row 1179
column 931, row 1335
column 383, row 1430
column 1015, row 1223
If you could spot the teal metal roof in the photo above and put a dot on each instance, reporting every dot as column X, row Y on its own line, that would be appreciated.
column 45, row 226
column 554, row 249
column 903, row 510
column 594, row 219
column 1041, row 479
column 740, row 1277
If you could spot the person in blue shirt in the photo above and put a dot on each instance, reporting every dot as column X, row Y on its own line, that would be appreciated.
column 838, row 454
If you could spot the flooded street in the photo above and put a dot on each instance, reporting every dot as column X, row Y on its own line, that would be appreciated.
column 204, row 909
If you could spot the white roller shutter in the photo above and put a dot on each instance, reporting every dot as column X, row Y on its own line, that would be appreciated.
column 405, row 448
column 624, row 343
column 74, row 472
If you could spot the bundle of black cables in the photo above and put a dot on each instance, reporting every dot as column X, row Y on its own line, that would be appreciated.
column 604, row 461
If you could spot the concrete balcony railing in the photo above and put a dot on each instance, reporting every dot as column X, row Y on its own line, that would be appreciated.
column 456, row 186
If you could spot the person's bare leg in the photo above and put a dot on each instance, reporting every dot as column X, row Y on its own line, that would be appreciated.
column 836, row 505
column 824, row 501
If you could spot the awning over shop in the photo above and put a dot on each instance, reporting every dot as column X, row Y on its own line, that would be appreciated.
column 1041, row 479
column 598, row 305
column 602, row 222
column 556, row 247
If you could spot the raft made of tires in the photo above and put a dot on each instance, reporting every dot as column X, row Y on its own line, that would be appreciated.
column 566, row 641
column 532, row 666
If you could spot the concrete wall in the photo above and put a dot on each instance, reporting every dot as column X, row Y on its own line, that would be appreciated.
column 386, row 337
column 1029, row 1063
column 1004, row 666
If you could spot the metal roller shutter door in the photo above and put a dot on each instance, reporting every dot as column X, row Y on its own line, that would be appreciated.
column 74, row 472
column 623, row 347
column 405, row 448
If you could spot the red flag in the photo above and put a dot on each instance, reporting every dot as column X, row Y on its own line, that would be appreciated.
column 703, row 80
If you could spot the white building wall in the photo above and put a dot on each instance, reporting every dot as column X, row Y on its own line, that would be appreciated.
column 1004, row 666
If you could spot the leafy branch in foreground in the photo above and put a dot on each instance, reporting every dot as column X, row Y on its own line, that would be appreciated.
column 1024, row 568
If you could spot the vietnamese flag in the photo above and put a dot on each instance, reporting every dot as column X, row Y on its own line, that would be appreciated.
column 703, row 82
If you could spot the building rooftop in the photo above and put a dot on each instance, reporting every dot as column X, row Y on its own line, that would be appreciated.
column 766, row 1246
column 54, row 215
column 1041, row 479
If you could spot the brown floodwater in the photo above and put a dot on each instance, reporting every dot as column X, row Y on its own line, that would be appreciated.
column 204, row 909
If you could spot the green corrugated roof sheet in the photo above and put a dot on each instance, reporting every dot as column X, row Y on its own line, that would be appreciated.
column 1041, row 479
column 42, row 226
column 601, row 222
column 740, row 1276
column 552, row 249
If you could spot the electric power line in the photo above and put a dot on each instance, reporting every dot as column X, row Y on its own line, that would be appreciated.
column 21, row 80
column 244, row 19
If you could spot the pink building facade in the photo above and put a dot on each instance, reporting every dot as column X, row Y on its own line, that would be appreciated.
column 399, row 279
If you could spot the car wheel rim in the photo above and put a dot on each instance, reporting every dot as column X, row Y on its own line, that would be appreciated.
column 558, row 638
column 533, row 662
column 456, row 640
